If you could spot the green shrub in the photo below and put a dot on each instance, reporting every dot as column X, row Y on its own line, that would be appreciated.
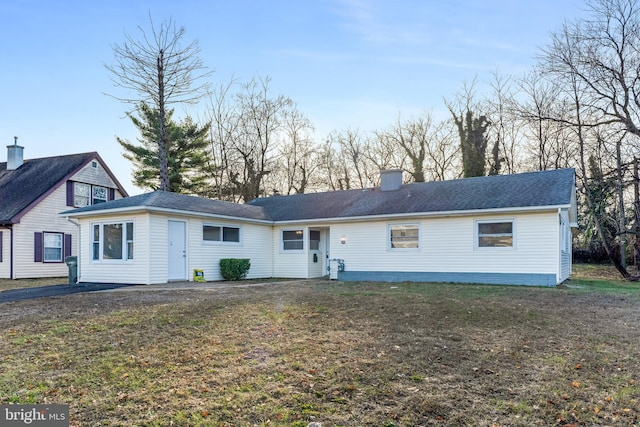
column 234, row 268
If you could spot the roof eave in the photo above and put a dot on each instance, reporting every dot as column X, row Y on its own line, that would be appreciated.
column 468, row 212
column 155, row 209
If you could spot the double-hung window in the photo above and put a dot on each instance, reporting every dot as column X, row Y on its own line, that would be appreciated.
column 292, row 240
column 219, row 233
column 52, row 244
column 404, row 236
column 99, row 194
column 495, row 234
column 112, row 241
column 81, row 194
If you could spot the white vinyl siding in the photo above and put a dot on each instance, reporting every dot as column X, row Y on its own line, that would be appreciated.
column 254, row 244
column 450, row 246
column 5, row 261
column 43, row 217
column 133, row 270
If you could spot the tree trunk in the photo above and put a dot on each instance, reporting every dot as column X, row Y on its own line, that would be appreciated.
column 163, row 160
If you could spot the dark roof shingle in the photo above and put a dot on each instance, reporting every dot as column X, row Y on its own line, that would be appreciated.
column 526, row 190
column 179, row 202
column 534, row 189
column 33, row 179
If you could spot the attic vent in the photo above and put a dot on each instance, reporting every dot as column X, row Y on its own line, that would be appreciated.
column 94, row 164
column 390, row 179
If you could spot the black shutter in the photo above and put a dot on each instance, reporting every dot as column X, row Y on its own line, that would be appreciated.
column 70, row 194
column 0, row 246
column 37, row 246
column 112, row 194
column 67, row 246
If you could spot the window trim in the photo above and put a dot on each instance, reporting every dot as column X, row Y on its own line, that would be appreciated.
column 44, row 247
column 128, row 245
column 301, row 232
column 477, row 235
column 390, row 226
column 222, row 241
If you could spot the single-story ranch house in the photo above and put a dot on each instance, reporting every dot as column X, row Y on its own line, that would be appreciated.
column 508, row 229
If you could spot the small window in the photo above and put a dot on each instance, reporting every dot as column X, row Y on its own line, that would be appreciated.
column 292, row 240
column 495, row 234
column 404, row 236
column 314, row 240
column 215, row 233
column 82, row 194
column 52, row 247
column 129, row 240
column 94, row 164
column 99, row 194
column 96, row 242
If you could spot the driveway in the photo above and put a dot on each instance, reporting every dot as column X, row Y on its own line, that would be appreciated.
column 60, row 290
column 55, row 290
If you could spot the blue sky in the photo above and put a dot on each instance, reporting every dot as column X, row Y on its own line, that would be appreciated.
column 347, row 63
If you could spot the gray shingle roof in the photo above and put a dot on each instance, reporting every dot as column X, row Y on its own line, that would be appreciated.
column 526, row 190
column 34, row 179
column 534, row 189
column 179, row 202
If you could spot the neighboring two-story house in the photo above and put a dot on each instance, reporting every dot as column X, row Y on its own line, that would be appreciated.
column 34, row 239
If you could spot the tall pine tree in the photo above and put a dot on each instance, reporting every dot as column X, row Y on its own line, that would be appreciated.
column 186, row 152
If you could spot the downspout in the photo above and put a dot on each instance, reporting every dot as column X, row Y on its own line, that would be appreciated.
column 78, row 251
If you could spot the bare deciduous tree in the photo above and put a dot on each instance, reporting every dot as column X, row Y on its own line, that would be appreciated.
column 160, row 72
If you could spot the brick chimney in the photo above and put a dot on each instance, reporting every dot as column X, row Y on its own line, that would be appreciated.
column 14, row 155
column 390, row 179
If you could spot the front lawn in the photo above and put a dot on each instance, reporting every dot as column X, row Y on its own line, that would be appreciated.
column 343, row 354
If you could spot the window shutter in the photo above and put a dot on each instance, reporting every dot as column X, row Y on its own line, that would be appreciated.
column 37, row 245
column 70, row 193
column 112, row 194
column 67, row 246
column 0, row 246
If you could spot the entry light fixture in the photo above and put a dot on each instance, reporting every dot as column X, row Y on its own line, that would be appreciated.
column 343, row 239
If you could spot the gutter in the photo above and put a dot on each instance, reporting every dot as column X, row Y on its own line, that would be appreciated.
column 145, row 209
column 467, row 212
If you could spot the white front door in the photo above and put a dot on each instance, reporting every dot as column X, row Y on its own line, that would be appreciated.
column 177, row 251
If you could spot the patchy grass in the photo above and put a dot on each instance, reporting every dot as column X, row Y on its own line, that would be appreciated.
column 6, row 284
column 344, row 354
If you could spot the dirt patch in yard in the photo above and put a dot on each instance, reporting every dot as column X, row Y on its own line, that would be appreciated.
column 343, row 354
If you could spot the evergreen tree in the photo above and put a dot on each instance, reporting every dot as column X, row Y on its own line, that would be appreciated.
column 186, row 152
